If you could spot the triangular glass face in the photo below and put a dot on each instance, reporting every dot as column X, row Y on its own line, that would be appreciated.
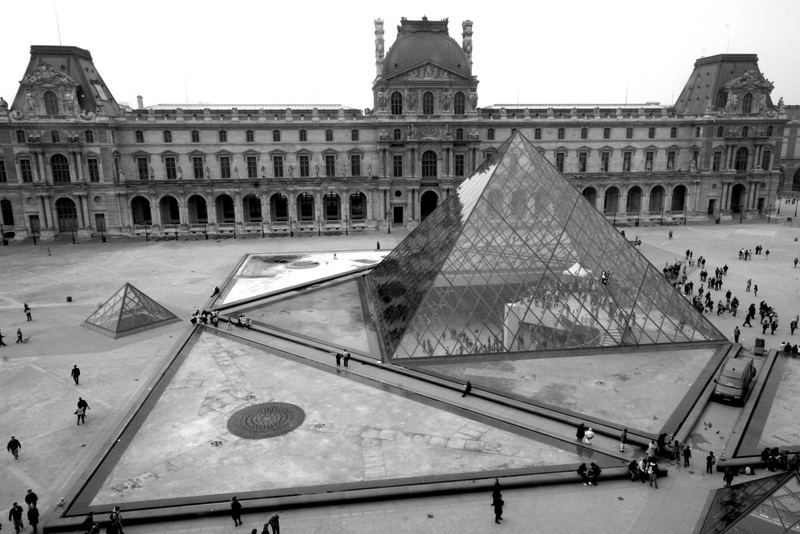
column 331, row 314
column 517, row 260
column 768, row 504
column 127, row 311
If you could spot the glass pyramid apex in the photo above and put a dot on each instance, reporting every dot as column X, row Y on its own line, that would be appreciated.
column 129, row 311
column 517, row 260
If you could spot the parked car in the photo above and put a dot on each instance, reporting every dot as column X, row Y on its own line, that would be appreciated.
column 735, row 380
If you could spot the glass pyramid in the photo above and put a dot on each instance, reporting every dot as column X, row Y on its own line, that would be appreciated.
column 770, row 504
column 129, row 311
column 517, row 260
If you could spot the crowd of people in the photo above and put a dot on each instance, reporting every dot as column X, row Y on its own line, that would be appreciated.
column 15, row 514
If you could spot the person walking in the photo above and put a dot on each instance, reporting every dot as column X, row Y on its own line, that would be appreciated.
column 736, row 333
column 467, row 389
column 236, row 511
column 13, row 447
column 651, row 473
column 749, row 283
column 580, row 432
column 793, row 324
column 81, row 411
column 76, row 374
column 687, row 455
column 623, row 439
column 497, row 504
column 27, row 310
column 115, row 517
column 728, row 477
column 755, row 290
column 275, row 523
column 15, row 516
column 346, row 359
column 1, row 339
column 31, row 499
column 33, row 518
column 19, row 335
column 710, row 461
column 338, row 359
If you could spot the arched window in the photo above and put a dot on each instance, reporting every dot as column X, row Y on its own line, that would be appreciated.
column 60, row 168
column 459, row 103
column 396, row 103
column 747, row 103
column 427, row 103
column 429, row 163
column 50, row 103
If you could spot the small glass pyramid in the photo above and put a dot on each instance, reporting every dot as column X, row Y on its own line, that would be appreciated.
column 770, row 504
column 517, row 260
column 129, row 311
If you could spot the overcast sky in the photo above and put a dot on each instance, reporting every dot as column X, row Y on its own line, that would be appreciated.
column 322, row 52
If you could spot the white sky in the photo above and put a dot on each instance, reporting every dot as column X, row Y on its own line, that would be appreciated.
column 322, row 52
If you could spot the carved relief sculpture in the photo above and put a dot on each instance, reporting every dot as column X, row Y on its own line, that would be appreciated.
column 446, row 99
column 3, row 104
column 473, row 98
column 381, row 99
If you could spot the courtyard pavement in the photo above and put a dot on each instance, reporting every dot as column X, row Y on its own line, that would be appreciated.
column 39, row 396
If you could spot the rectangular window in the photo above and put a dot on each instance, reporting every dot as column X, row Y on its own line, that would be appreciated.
column 628, row 133
column 304, row 165
column 223, row 136
column 276, row 136
column 671, row 160
column 766, row 160
column 252, row 167
column 172, row 171
column 144, row 172
column 3, row 175
column 673, row 132
column 697, row 132
column 720, row 131
column 94, row 169
column 606, row 133
column 250, row 136
column 397, row 164
column 277, row 166
column 329, row 135
column 167, row 136
column 561, row 133
column 560, row 161
column 20, row 136
column 355, row 163
column 303, row 136
column 89, row 136
column 582, row 157
column 330, row 165
column 354, row 135
column 459, row 164
column 651, row 133
column 537, row 133
column 648, row 160
column 605, row 157
column 717, row 161
column 26, row 169
column 54, row 137
column 584, row 133
column 225, row 167
column 197, row 166
column 695, row 159
column 627, row 156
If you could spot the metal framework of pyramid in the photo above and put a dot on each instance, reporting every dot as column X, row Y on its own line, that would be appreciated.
column 770, row 504
column 127, row 312
column 517, row 260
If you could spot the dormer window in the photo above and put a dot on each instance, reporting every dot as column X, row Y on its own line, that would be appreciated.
column 50, row 103
column 747, row 103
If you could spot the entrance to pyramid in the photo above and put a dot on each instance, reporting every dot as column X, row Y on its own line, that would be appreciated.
column 516, row 261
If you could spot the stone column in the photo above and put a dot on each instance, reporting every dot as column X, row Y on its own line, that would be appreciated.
column 87, row 221
column 183, row 211
column 645, row 200
column 42, row 171
column 410, row 206
column 211, row 209
column 48, row 206
column 76, row 157
column 155, row 213
column 43, row 219
column 237, row 208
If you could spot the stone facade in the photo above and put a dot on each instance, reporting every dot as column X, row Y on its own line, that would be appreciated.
column 72, row 160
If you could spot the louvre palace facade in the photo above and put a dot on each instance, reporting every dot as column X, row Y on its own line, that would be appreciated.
column 75, row 161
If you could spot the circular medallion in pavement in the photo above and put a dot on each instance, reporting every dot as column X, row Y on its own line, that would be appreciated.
column 266, row 420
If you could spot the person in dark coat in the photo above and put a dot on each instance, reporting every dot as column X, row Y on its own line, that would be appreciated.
column 15, row 516
column 728, row 476
column 33, row 518
column 583, row 472
column 274, row 522
column 498, row 510
column 580, row 432
column 88, row 523
column 594, row 474
column 115, row 520
column 31, row 498
column 236, row 512
column 687, row 455
column 76, row 374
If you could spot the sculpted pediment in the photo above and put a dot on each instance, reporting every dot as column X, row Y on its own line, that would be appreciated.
column 428, row 71
column 750, row 80
column 46, row 74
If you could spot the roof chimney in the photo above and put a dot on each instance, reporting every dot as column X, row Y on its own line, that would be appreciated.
column 139, row 102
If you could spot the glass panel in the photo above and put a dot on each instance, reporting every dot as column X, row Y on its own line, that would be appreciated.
column 519, row 260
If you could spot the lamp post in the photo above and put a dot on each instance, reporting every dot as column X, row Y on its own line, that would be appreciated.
column 146, row 235
column 33, row 233
column 769, row 196
column 684, row 212
column 72, row 231
column 261, row 209
column 388, row 222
